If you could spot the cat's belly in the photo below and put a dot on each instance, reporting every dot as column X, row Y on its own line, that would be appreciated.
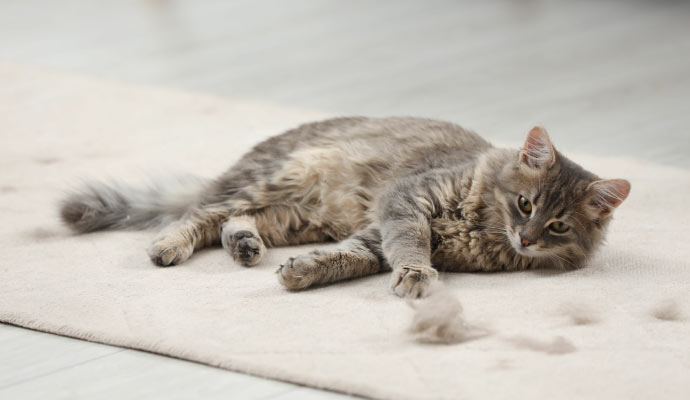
column 325, row 194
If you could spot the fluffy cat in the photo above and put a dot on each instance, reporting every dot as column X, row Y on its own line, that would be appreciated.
column 406, row 195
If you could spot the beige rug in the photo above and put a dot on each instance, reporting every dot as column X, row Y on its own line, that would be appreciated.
column 619, row 329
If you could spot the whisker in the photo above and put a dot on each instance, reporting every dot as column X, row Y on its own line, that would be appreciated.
column 562, row 259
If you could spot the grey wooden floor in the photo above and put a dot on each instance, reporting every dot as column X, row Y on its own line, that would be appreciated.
column 35, row 365
column 606, row 77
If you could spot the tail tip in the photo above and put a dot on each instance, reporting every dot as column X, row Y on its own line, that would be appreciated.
column 74, row 213
column 81, row 215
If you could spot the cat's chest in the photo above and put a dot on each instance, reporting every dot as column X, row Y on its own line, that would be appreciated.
column 465, row 245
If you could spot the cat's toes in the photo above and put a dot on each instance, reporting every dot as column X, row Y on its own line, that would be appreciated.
column 413, row 281
column 168, row 251
column 298, row 272
column 245, row 247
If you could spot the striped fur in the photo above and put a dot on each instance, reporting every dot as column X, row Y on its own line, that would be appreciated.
column 406, row 195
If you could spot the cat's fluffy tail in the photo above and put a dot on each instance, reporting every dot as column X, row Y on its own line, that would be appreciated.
column 99, row 206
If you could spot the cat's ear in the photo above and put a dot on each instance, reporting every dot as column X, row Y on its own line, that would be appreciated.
column 538, row 151
column 607, row 194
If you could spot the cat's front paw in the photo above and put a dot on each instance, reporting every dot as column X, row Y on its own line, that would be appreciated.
column 244, row 246
column 170, row 250
column 300, row 272
column 412, row 281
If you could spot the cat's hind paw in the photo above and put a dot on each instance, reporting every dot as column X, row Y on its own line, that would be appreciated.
column 412, row 281
column 244, row 246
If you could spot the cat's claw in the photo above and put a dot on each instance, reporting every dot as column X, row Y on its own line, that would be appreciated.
column 414, row 282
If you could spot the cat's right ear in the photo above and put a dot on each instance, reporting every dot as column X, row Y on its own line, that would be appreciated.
column 538, row 152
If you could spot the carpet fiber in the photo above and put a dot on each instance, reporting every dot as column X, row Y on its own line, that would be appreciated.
column 617, row 329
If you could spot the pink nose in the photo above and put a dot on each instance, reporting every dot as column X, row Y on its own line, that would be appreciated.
column 525, row 242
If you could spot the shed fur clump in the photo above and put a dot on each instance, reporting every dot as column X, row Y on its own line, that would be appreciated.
column 439, row 319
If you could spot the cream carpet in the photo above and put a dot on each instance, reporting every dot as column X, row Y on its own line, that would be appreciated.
column 617, row 330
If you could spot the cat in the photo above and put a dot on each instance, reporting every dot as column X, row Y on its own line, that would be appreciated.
column 408, row 195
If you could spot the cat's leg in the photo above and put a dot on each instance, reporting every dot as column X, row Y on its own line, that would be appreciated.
column 197, row 229
column 241, row 239
column 360, row 255
column 404, row 213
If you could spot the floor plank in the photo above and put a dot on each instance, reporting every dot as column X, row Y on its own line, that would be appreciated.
column 37, row 365
column 27, row 355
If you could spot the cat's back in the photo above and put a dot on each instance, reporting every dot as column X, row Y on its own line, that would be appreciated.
column 398, row 131
column 393, row 146
column 403, row 144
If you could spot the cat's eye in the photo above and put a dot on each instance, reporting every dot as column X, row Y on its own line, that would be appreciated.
column 559, row 227
column 525, row 205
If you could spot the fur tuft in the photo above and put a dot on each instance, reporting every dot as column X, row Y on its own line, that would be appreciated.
column 667, row 310
column 438, row 319
column 556, row 346
column 99, row 206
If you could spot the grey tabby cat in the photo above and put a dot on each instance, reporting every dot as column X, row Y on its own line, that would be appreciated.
column 404, row 194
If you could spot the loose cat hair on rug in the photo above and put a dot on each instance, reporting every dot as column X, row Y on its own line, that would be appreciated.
column 438, row 319
column 406, row 195
column 557, row 345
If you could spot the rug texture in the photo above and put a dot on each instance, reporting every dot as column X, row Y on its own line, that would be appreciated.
column 618, row 329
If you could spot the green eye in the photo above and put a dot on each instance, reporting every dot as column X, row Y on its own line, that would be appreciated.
column 524, row 205
column 559, row 227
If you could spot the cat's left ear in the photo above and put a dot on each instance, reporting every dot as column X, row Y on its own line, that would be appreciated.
column 538, row 151
column 607, row 194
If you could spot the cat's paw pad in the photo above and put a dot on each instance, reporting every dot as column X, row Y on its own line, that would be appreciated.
column 413, row 281
column 299, row 272
column 169, row 250
column 244, row 246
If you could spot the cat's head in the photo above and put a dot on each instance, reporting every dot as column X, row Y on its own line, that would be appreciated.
column 553, row 210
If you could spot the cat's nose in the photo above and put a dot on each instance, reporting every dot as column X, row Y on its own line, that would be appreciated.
column 524, row 241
